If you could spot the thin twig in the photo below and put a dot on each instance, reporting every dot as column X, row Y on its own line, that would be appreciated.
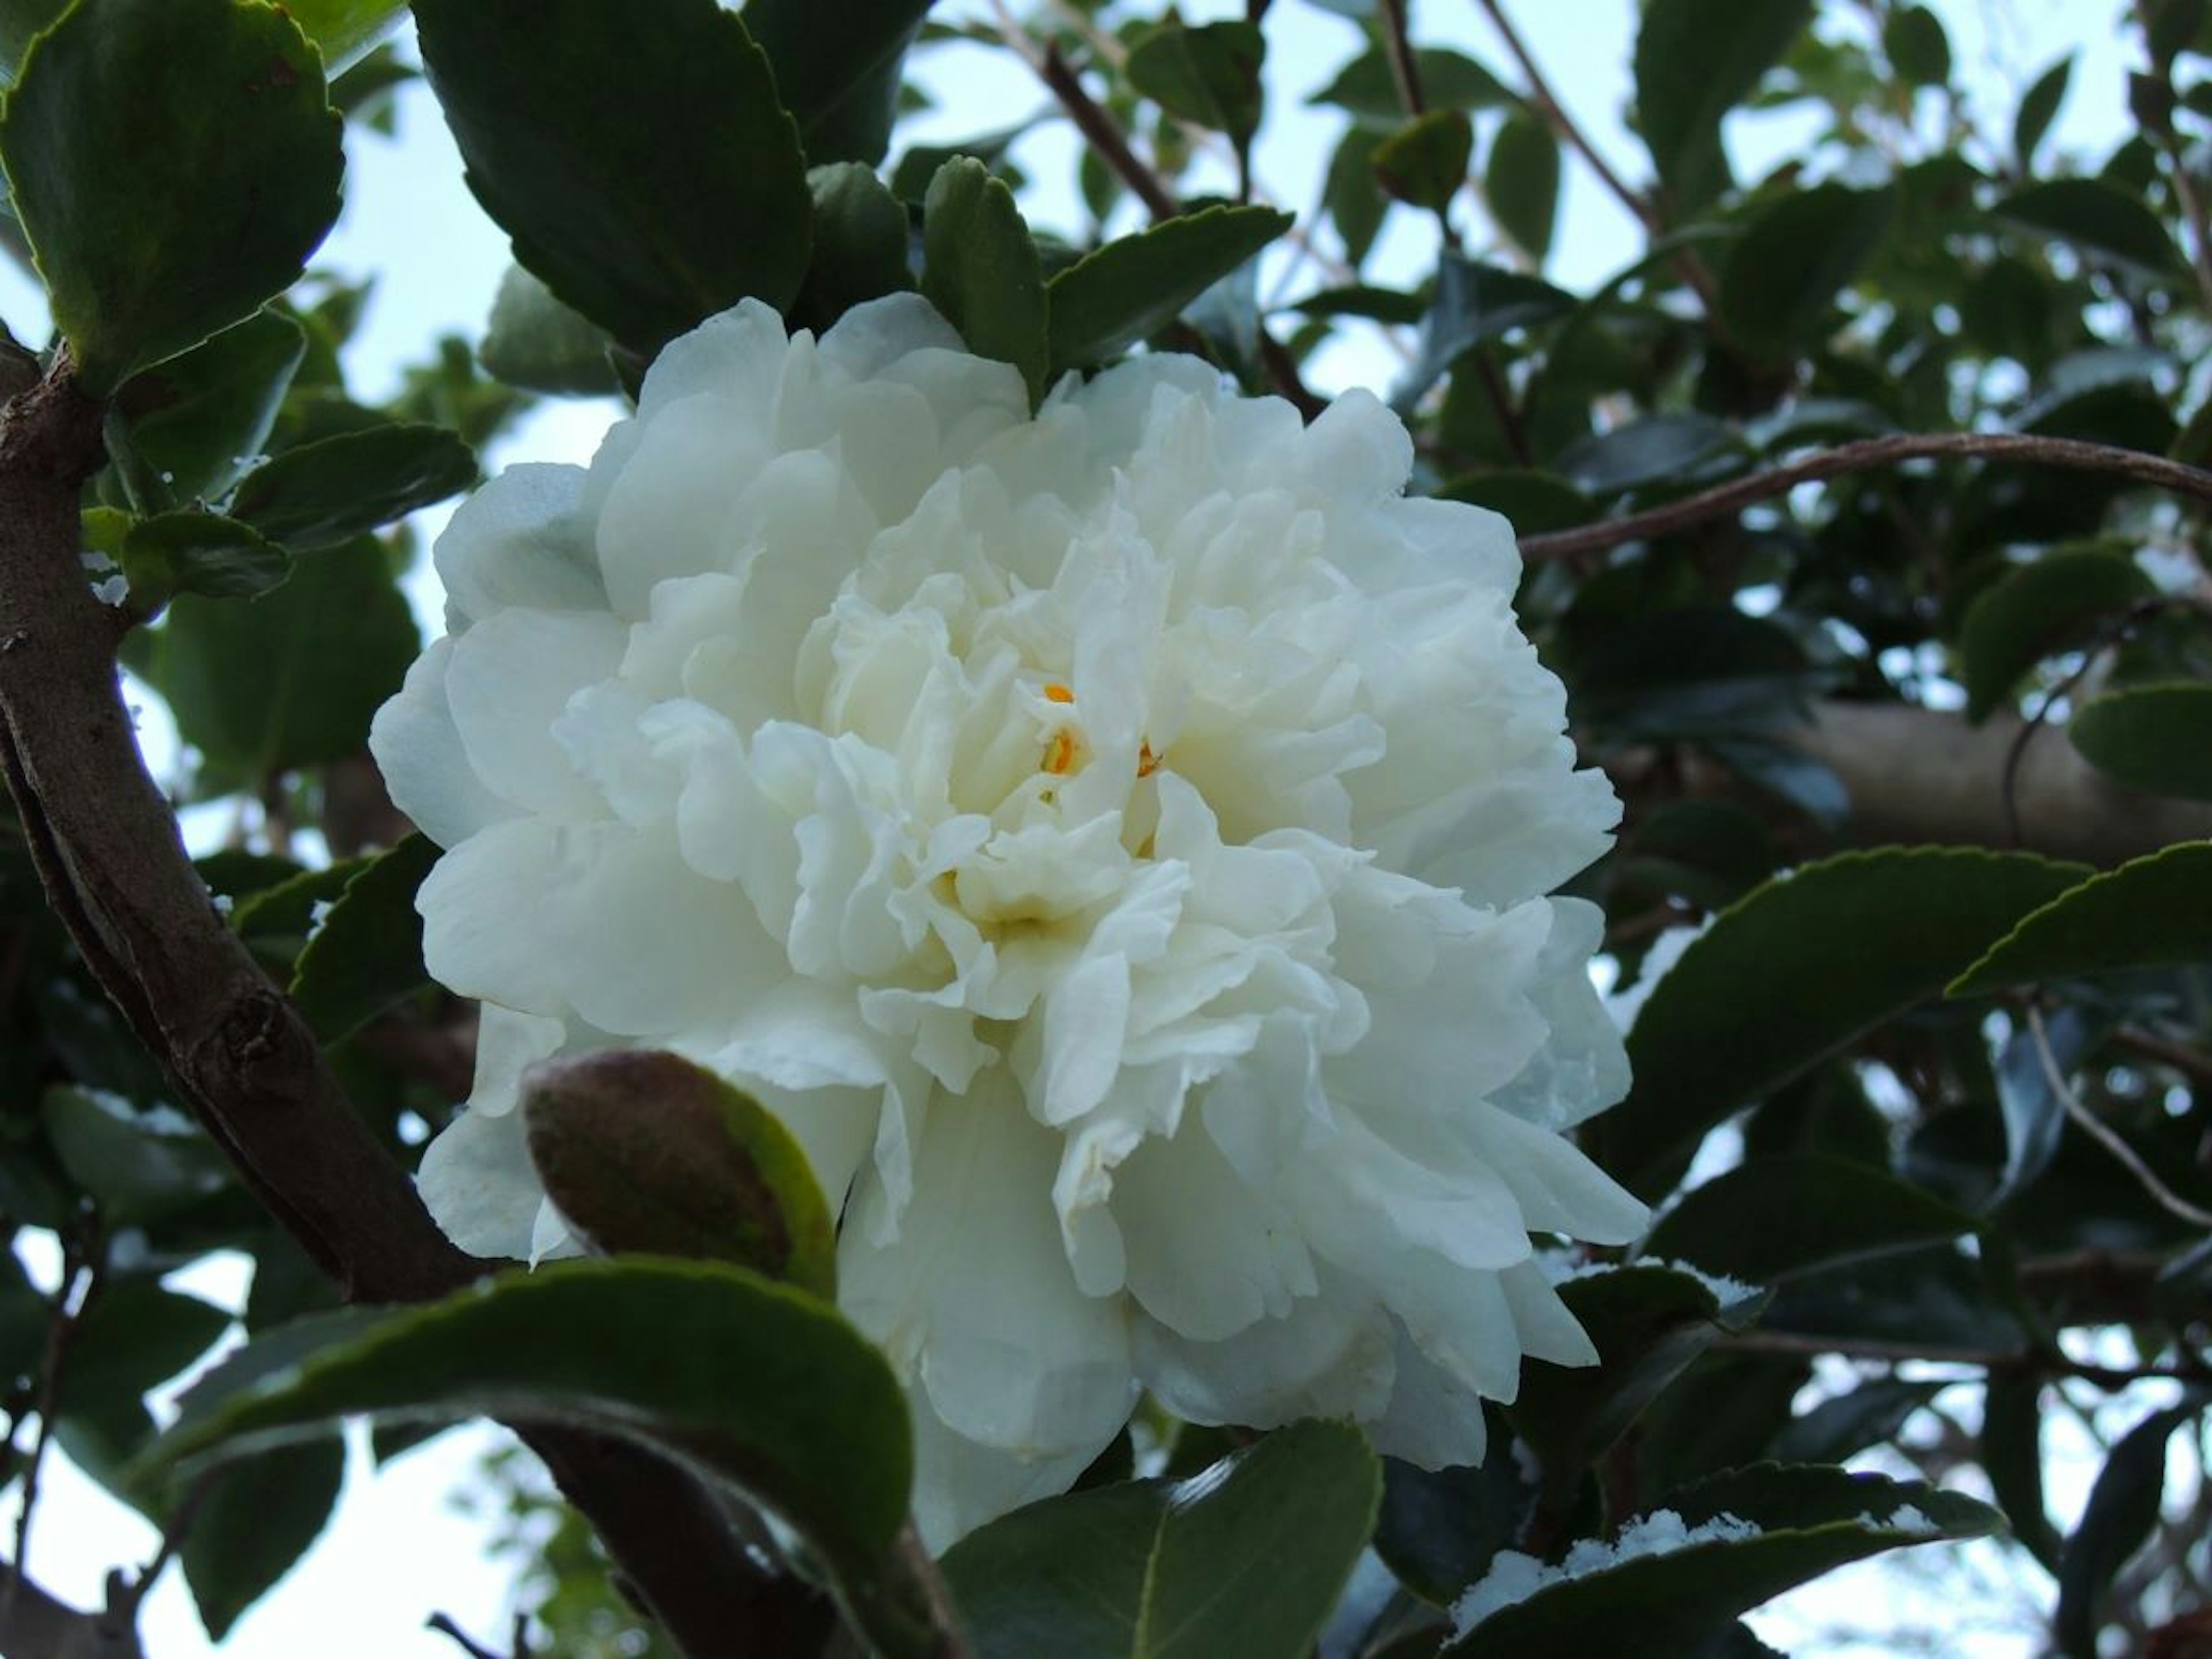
column 2105, row 1135
column 444, row 1625
column 1865, row 455
column 2193, row 1063
column 70, row 1300
column 2022, row 1362
column 1405, row 68
column 2106, row 636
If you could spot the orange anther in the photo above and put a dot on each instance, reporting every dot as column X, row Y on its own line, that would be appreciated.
column 1056, row 692
column 1060, row 753
column 1147, row 761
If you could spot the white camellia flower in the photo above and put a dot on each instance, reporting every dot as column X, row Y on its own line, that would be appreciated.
column 1115, row 840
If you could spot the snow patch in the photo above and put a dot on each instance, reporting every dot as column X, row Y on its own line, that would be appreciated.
column 1514, row 1576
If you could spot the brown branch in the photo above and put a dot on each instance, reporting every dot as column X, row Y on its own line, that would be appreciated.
column 1405, row 68
column 236, row 1051
column 2071, row 454
column 37, row 1625
column 2022, row 1363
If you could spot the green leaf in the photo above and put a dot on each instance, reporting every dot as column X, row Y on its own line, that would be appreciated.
column 134, row 1337
column 1847, row 1424
column 1424, row 163
column 1521, row 183
column 201, row 419
column 980, row 269
column 254, row 1520
column 1366, row 88
column 2039, row 106
column 1798, row 970
column 288, row 679
column 335, row 489
column 1778, row 288
column 534, row 341
column 1474, row 304
column 1243, row 1561
column 1798, row 1523
column 195, row 552
column 2152, row 912
column 1133, row 288
column 642, row 1151
column 19, row 20
column 1770, row 1218
column 25, row 1322
column 367, row 953
column 1648, row 1323
column 1439, row 1530
column 1667, row 447
column 861, row 240
column 346, row 31
column 2123, row 1508
column 2152, row 738
column 1695, row 61
column 137, row 1165
column 1356, row 205
column 199, row 130
column 1208, row 74
column 2098, row 219
column 646, row 175
column 1913, row 41
column 2035, row 609
column 754, row 1384
column 837, row 68
column 2012, row 1456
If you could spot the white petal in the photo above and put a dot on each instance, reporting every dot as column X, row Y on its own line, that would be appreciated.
column 425, row 766
column 522, row 540
column 478, row 1184
column 509, row 679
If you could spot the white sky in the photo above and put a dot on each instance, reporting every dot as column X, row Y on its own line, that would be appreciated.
column 398, row 1550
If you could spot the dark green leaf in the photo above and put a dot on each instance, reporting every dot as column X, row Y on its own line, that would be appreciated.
column 1797, row 970
column 980, row 269
column 745, row 1382
column 25, row 1320
column 2123, row 1508
column 1381, row 305
column 1134, row 287
column 1208, row 74
column 2098, row 219
column 1670, row 447
column 367, row 953
column 1242, row 1562
column 1424, row 163
column 1778, row 288
column 2035, row 609
column 255, row 1519
column 1647, row 1323
column 1355, row 204
column 2012, row 1456
column 861, row 240
column 837, row 68
column 1449, row 80
column 641, row 1151
column 194, row 552
column 291, row 679
column 2150, row 737
column 19, row 20
column 921, row 164
column 345, row 30
column 646, row 175
column 199, row 129
column 1847, row 1424
column 134, row 1337
column 1913, row 41
column 137, row 1165
column 1798, row 1523
column 200, row 420
column 1440, row 1529
column 1770, row 1218
column 2155, row 911
column 1933, row 1296
column 1695, row 61
column 1474, row 304
column 2038, row 105
column 335, row 489
column 1520, row 181
column 535, row 342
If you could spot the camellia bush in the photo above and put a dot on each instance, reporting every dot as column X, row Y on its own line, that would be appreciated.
column 967, row 986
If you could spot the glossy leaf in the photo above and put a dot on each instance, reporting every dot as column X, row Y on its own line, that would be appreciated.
column 2155, row 911
column 647, row 175
column 2035, row 609
column 533, row 340
column 1425, row 162
column 1208, row 74
column 2097, row 218
column 2151, row 737
column 1797, row 969
column 137, row 1166
column 1521, row 182
column 2123, row 1508
column 335, row 489
column 1243, row 1561
column 366, row 954
column 2012, row 1456
column 199, row 420
column 345, row 31
column 200, row 129
column 1656, row 449
column 1845, row 1425
column 643, row 1151
column 1474, row 303
column 205, row 553
column 1695, row 61
column 1366, row 88
column 1800, row 1523
column 861, row 243
column 980, row 269
column 1135, row 286
column 1791, row 1213
column 1356, row 204
column 1778, row 288
column 253, row 1521
column 1439, row 1529
column 20, row 20
column 837, row 68
column 1913, row 41
column 745, row 1381
column 133, row 1337
column 2039, row 106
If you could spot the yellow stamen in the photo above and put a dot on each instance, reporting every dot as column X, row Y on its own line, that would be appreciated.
column 1060, row 753
column 1147, row 761
column 1056, row 692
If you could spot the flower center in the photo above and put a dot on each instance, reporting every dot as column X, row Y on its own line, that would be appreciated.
column 1065, row 749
